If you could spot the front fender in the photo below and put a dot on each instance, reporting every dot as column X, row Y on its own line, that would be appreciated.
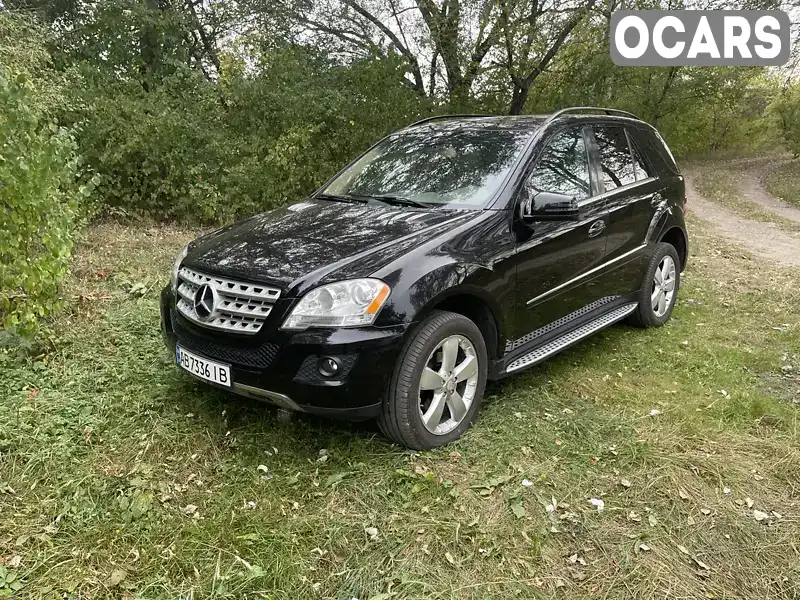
column 447, row 284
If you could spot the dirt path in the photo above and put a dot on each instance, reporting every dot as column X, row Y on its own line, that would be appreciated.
column 753, row 190
column 766, row 240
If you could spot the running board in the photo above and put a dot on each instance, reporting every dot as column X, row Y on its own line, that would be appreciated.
column 576, row 335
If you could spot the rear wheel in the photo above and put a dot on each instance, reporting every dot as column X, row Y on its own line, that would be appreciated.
column 438, row 383
column 659, row 288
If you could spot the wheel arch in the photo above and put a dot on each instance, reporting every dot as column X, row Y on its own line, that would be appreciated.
column 475, row 304
column 676, row 236
column 477, row 310
column 460, row 288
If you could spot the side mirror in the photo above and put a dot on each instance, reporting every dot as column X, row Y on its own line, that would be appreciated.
column 549, row 206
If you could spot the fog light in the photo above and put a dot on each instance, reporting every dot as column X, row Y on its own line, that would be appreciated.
column 328, row 366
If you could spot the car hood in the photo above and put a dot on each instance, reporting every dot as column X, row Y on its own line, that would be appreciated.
column 319, row 239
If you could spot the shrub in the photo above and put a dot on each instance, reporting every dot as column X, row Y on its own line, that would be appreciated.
column 785, row 110
column 194, row 150
column 37, row 193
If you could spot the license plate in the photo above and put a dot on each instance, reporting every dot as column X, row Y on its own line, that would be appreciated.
column 203, row 368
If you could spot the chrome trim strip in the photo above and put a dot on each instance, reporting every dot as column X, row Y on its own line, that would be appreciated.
column 604, row 195
column 274, row 397
column 590, row 272
column 539, row 354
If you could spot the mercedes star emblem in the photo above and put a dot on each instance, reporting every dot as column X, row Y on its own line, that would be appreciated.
column 205, row 301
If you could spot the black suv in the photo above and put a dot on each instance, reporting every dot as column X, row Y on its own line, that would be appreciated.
column 460, row 249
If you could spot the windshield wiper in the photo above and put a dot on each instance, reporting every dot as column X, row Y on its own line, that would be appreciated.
column 340, row 198
column 389, row 199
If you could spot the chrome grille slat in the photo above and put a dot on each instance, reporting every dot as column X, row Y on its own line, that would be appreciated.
column 187, row 290
column 246, row 309
column 230, row 287
column 241, row 308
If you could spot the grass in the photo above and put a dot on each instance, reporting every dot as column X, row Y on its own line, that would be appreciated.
column 784, row 182
column 121, row 478
column 718, row 184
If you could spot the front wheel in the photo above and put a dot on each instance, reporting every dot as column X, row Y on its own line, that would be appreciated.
column 659, row 289
column 438, row 383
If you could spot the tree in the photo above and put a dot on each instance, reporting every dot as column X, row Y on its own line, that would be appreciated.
column 459, row 41
column 534, row 33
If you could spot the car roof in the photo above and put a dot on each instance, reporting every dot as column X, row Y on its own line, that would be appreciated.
column 526, row 122
column 517, row 123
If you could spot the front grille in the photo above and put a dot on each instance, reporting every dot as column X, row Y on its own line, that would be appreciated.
column 240, row 307
column 259, row 357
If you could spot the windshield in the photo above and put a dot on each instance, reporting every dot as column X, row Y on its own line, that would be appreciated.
column 451, row 165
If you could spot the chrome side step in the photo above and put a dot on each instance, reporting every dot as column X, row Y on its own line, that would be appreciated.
column 584, row 331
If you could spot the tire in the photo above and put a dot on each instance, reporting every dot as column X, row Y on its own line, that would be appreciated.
column 401, row 418
column 646, row 314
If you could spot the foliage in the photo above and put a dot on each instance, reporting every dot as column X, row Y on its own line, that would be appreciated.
column 192, row 150
column 785, row 110
column 23, row 46
column 211, row 111
column 24, row 50
column 9, row 582
column 37, row 174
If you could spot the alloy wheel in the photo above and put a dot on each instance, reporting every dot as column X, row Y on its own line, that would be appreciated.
column 448, row 384
column 663, row 290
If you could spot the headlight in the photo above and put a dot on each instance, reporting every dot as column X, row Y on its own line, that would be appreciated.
column 176, row 267
column 342, row 304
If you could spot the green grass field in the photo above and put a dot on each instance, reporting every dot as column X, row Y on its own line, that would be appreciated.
column 121, row 478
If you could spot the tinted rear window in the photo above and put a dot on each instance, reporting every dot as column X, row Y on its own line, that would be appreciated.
column 654, row 150
column 615, row 156
column 642, row 167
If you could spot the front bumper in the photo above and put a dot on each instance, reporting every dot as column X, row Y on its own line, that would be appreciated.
column 281, row 367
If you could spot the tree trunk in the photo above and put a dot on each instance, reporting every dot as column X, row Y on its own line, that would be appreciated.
column 522, row 84
column 209, row 44
column 150, row 47
column 443, row 25
column 520, row 96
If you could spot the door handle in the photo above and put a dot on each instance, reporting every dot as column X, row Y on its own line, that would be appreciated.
column 597, row 228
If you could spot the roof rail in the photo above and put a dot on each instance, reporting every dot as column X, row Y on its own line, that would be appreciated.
column 443, row 117
column 608, row 111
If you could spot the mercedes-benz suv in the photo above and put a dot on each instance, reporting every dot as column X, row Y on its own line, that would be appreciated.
column 457, row 250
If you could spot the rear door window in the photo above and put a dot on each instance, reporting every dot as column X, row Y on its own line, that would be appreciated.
column 616, row 161
column 640, row 166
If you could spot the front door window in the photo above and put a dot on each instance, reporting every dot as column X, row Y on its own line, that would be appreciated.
column 563, row 167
